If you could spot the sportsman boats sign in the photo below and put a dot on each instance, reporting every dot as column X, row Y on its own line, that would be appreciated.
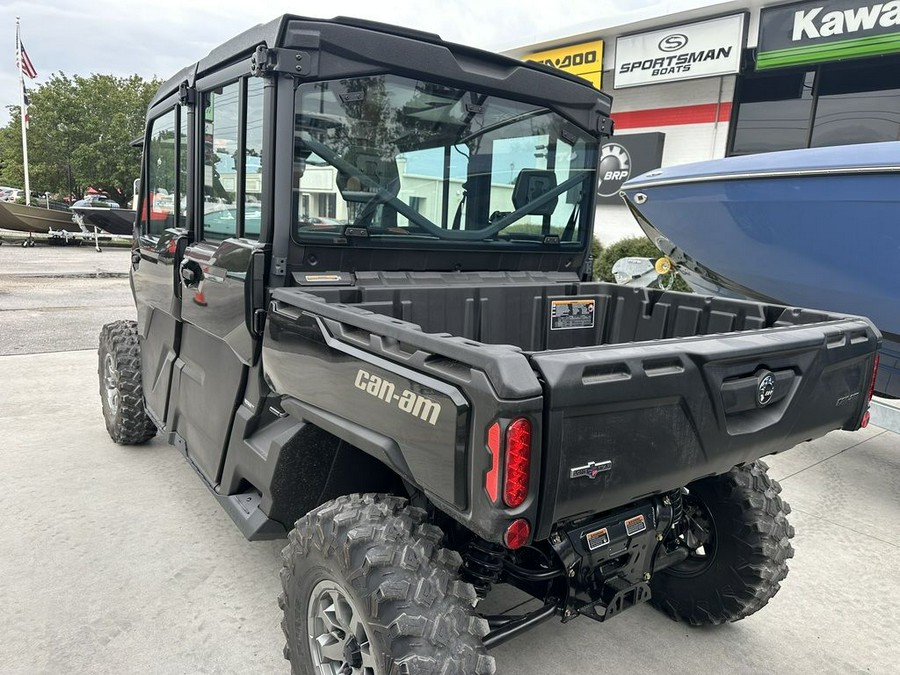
column 827, row 30
column 703, row 49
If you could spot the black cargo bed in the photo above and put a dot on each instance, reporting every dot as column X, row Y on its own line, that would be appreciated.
column 662, row 385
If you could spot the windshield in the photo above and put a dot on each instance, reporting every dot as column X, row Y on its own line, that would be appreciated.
column 388, row 157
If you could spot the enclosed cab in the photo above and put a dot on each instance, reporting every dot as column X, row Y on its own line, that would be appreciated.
column 366, row 316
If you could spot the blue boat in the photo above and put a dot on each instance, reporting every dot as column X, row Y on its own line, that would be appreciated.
column 816, row 228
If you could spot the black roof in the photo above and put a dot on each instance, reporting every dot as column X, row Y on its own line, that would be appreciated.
column 272, row 34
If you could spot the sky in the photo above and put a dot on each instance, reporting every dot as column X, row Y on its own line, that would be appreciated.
column 159, row 37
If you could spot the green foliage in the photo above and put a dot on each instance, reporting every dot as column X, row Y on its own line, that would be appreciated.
column 81, row 126
column 639, row 247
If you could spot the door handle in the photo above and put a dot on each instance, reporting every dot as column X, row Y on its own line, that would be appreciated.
column 191, row 273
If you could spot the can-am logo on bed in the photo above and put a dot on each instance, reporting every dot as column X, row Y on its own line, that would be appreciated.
column 827, row 30
column 702, row 49
column 408, row 401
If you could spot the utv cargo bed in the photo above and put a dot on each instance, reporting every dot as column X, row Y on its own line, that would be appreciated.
column 638, row 391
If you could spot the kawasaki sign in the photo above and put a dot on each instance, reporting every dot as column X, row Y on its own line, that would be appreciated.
column 810, row 32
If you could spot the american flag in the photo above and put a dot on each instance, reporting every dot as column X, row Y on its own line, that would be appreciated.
column 26, row 65
column 27, row 102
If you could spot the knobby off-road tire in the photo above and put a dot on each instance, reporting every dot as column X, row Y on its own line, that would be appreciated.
column 398, row 581
column 121, row 391
column 750, row 548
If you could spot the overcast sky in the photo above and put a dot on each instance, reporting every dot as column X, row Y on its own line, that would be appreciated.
column 158, row 37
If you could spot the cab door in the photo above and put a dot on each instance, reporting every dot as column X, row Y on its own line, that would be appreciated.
column 221, row 273
column 161, row 238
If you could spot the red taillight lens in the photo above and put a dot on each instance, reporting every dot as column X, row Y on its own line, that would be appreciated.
column 874, row 375
column 516, row 535
column 492, row 477
column 518, row 462
column 865, row 420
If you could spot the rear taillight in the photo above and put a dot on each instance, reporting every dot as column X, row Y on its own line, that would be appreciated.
column 867, row 415
column 518, row 462
column 874, row 375
column 492, row 477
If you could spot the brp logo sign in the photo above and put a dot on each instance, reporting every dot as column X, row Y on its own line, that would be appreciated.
column 672, row 43
column 765, row 389
column 615, row 168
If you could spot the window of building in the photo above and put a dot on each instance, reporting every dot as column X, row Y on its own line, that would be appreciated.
column 857, row 104
column 825, row 105
column 774, row 112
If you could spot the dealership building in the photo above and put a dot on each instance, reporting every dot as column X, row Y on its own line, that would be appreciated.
column 733, row 78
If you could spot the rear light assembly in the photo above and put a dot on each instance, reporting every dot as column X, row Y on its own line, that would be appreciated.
column 867, row 415
column 517, row 462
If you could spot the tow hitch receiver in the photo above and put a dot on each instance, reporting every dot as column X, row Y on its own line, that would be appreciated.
column 617, row 597
column 609, row 562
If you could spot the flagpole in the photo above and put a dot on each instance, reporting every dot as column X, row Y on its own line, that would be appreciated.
column 23, row 114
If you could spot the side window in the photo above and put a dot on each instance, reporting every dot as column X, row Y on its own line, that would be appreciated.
column 220, row 162
column 159, row 211
column 181, row 203
column 253, row 157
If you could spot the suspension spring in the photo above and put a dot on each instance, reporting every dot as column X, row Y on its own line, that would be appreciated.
column 482, row 565
column 677, row 498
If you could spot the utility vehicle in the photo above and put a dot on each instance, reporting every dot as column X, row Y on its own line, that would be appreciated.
column 366, row 316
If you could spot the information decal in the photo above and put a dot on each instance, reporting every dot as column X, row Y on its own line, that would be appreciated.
column 703, row 49
column 828, row 30
column 584, row 60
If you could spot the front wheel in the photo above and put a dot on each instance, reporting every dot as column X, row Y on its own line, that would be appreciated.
column 735, row 526
column 369, row 590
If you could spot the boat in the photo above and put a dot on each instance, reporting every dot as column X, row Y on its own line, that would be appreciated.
column 817, row 227
column 36, row 219
column 111, row 219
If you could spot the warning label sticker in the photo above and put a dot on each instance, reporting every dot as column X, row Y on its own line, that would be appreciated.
column 571, row 313
column 597, row 538
column 635, row 525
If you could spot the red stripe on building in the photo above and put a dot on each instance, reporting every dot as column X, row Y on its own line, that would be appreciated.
column 665, row 117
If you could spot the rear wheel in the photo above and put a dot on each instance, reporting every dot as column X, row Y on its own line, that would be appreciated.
column 369, row 590
column 736, row 528
column 121, row 390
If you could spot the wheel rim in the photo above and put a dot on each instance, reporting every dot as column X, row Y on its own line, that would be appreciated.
column 338, row 635
column 111, row 383
column 699, row 536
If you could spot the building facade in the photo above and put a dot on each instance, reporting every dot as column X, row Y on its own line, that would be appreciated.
column 734, row 78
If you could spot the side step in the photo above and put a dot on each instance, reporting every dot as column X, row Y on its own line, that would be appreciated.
column 251, row 521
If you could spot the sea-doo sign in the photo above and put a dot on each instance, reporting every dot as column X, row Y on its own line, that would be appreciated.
column 584, row 60
column 827, row 30
column 702, row 49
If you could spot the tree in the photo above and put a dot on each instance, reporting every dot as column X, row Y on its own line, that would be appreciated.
column 80, row 135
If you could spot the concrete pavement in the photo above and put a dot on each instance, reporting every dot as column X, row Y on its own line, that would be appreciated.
column 117, row 560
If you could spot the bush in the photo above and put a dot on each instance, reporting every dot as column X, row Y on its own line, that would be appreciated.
column 639, row 247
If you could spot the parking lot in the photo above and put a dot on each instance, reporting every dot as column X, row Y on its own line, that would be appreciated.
column 117, row 560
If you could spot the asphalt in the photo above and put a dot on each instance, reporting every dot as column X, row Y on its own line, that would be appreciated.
column 117, row 560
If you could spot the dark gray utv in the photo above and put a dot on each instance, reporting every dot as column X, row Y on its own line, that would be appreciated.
column 366, row 316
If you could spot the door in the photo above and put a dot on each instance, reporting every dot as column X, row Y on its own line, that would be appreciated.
column 162, row 237
column 221, row 294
